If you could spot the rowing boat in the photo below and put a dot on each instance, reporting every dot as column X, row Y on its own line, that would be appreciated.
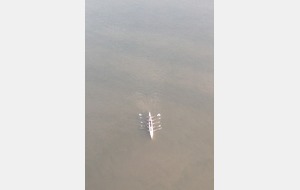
column 152, row 122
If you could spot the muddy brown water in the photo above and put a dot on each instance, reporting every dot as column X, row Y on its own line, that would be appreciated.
column 149, row 56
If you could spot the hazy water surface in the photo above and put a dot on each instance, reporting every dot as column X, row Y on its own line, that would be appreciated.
column 149, row 56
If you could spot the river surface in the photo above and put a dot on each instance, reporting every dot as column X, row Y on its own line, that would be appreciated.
column 149, row 56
